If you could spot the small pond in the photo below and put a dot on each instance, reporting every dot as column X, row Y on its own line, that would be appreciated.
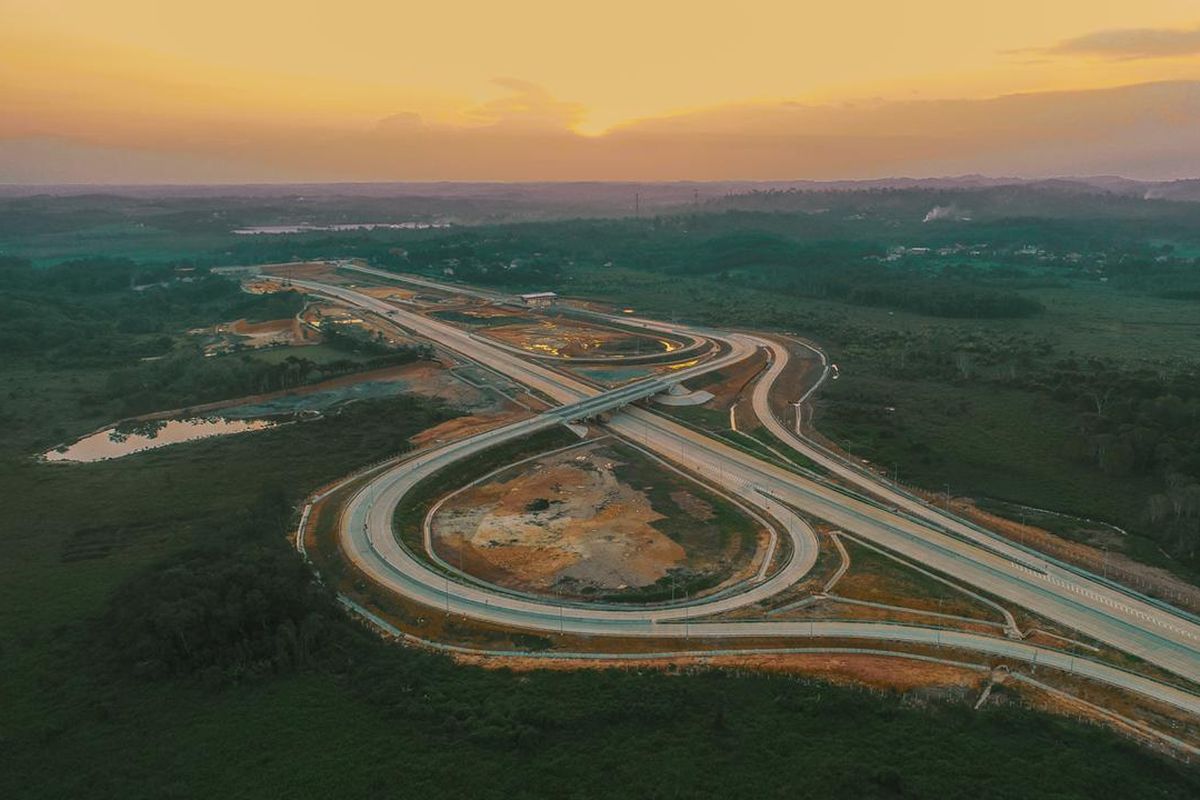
column 124, row 439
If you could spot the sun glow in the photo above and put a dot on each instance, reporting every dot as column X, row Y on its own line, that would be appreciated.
column 524, row 89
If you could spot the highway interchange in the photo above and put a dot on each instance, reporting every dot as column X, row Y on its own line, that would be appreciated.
column 876, row 511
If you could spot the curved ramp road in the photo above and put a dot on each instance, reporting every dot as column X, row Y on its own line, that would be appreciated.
column 1177, row 627
column 901, row 524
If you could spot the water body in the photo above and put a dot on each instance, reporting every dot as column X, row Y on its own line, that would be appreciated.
column 120, row 441
column 343, row 226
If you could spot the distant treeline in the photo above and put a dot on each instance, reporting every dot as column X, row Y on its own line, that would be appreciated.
column 127, row 318
column 805, row 244
column 98, row 312
column 850, row 273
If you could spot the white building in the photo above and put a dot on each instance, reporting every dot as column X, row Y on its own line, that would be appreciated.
column 538, row 299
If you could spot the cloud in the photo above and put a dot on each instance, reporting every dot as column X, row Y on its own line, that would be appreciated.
column 403, row 121
column 1143, row 131
column 527, row 106
column 1127, row 44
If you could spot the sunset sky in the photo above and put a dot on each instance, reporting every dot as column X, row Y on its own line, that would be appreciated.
column 166, row 91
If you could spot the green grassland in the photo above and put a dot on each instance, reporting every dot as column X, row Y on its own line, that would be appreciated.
column 148, row 505
column 1002, row 444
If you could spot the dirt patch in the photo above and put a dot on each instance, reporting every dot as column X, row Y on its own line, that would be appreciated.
column 462, row 427
column 598, row 521
column 303, row 270
column 478, row 314
column 273, row 333
column 1117, row 566
column 240, row 334
column 832, row 608
column 392, row 293
column 881, row 672
column 569, row 339
column 567, row 520
column 432, row 380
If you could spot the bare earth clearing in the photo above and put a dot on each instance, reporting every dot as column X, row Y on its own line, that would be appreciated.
column 569, row 339
column 566, row 517
column 571, row 522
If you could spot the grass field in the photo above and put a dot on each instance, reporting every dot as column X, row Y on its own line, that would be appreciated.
column 148, row 505
column 1010, row 446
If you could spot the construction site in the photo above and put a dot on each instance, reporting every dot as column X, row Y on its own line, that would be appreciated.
column 602, row 521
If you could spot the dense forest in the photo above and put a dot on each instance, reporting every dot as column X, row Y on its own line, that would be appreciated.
column 102, row 311
column 126, row 319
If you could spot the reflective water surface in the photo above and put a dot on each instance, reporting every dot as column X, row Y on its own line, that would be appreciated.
column 125, row 439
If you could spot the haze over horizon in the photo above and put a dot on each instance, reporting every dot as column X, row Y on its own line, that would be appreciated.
column 141, row 92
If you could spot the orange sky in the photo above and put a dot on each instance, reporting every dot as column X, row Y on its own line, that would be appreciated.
column 262, row 90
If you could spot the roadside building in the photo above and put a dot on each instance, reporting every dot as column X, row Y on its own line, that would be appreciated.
column 538, row 299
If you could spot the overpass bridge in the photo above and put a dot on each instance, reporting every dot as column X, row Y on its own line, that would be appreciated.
column 609, row 401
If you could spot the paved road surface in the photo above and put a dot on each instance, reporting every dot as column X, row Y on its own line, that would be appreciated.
column 1149, row 632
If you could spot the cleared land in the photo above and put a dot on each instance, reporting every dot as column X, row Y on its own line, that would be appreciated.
column 597, row 520
column 569, row 339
